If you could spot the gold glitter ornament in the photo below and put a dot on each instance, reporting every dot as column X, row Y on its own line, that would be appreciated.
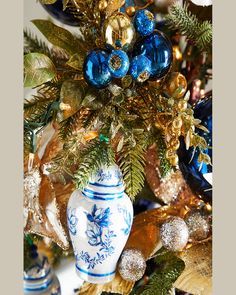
column 102, row 5
column 175, row 85
column 118, row 30
column 174, row 234
column 198, row 226
column 132, row 265
column 130, row 11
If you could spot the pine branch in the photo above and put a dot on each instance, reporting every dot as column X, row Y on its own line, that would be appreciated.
column 199, row 32
column 68, row 126
column 92, row 158
column 131, row 160
column 169, row 268
column 165, row 166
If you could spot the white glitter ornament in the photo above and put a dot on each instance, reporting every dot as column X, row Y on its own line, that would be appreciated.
column 132, row 265
column 202, row 2
column 174, row 234
column 198, row 226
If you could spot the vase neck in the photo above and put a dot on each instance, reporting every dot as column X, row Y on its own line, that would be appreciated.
column 98, row 191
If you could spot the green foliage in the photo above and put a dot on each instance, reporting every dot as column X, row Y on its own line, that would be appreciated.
column 67, row 126
column 169, row 268
column 200, row 32
column 38, row 69
column 95, row 155
column 60, row 37
column 131, row 160
column 165, row 166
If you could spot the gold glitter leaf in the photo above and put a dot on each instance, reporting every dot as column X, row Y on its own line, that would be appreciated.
column 196, row 277
column 113, row 5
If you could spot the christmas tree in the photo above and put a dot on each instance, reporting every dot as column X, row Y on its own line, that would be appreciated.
column 118, row 146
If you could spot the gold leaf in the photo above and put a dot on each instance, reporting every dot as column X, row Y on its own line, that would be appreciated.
column 113, row 5
column 197, row 275
column 76, row 62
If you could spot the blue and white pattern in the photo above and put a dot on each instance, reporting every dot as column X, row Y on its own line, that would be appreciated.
column 98, row 234
column 127, row 218
column 72, row 220
column 102, row 175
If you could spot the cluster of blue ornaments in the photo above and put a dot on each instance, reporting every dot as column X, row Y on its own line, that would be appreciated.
column 151, row 57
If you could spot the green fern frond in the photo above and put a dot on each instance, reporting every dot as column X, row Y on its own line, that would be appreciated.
column 95, row 155
column 199, row 32
column 131, row 160
column 169, row 269
column 68, row 126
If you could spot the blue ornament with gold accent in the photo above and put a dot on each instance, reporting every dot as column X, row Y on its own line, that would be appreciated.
column 96, row 71
column 140, row 68
column 118, row 63
column 199, row 175
column 64, row 16
column 158, row 49
column 144, row 22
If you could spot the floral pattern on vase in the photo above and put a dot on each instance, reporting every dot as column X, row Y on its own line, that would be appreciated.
column 98, row 234
column 127, row 219
column 72, row 220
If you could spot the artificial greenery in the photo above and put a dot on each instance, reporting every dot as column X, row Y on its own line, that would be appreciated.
column 180, row 18
column 169, row 268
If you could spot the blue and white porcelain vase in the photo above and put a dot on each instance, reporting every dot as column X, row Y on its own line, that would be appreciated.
column 99, row 220
column 39, row 278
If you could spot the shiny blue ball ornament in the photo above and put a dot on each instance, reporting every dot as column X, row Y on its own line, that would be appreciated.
column 194, row 172
column 118, row 63
column 144, row 22
column 96, row 70
column 140, row 67
column 158, row 49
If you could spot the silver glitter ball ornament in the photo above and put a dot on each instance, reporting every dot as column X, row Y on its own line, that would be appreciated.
column 132, row 265
column 174, row 234
column 198, row 226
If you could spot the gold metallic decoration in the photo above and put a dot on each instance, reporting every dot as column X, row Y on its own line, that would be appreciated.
column 90, row 135
column 175, row 85
column 130, row 10
column 197, row 275
column 198, row 225
column 177, row 54
column 132, row 265
column 113, row 5
column 118, row 30
column 102, row 5
column 174, row 234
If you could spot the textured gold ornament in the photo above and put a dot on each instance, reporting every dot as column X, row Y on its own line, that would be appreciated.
column 197, row 275
column 113, row 5
column 102, row 5
column 118, row 29
column 175, row 85
column 130, row 11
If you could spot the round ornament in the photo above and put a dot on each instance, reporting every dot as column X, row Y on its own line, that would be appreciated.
column 132, row 265
column 157, row 48
column 198, row 226
column 39, row 277
column 174, row 234
column 119, row 31
column 175, row 85
column 198, row 175
column 140, row 68
column 99, row 220
column 118, row 63
column 96, row 70
column 65, row 16
column 144, row 22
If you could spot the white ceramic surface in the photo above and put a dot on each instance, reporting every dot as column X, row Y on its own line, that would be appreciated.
column 99, row 220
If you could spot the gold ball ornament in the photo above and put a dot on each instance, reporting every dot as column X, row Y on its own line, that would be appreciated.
column 102, row 5
column 118, row 30
column 175, row 85
column 130, row 11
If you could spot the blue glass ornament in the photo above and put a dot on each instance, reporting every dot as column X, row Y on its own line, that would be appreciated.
column 118, row 63
column 194, row 171
column 140, row 67
column 96, row 70
column 65, row 16
column 158, row 49
column 144, row 22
